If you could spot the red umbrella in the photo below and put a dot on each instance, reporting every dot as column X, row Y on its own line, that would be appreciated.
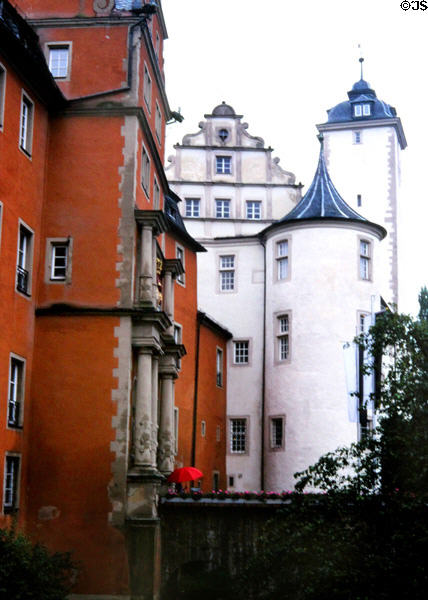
column 185, row 474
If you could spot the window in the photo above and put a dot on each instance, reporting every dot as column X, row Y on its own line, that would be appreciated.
column 219, row 367
column 365, row 258
column 359, row 201
column 277, row 433
column 145, row 171
column 158, row 123
column 178, row 340
column 156, row 194
column 59, row 60
column 223, row 134
column 231, row 479
column 283, row 341
column 193, row 207
column 222, row 209
column 362, row 110
column 157, row 46
column 216, row 481
column 15, row 392
column 253, row 209
column 357, row 137
column 2, row 94
column 26, row 125
column 218, row 433
column 203, row 428
column 238, row 436
column 227, row 273
column 282, row 259
column 223, row 165
column 175, row 430
column 59, row 261
column 23, row 263
column 180, row 254
column 241, row 352
column 11, row 480
column 147, row 89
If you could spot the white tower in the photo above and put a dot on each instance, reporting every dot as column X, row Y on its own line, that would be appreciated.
column 363, row 139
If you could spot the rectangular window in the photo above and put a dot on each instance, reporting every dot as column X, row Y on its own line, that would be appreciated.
column 253, row 209
column 26, row 125
column 359, row 201
column 24, row 259
column 283, row 341
column 216, row 481
column 222, row 209
column 241, row 352
column 175, row 430
column 145, row 171
column 282, row 259
column 158, row 123
column 218, row 433
column 227, row 273
column 219, row 367
column 238, row 436
column 203, row 428
column 11, row 481
column 59, row 262
column 366, row 110
column 277, row 433
column 180, row 255
column 15, row 393
column 223, row 165
column 156, row 194
column 2, row 94
column 193, row 207
column 357, row 137
column 59, row 60
column 365, row 258
column 147, row 89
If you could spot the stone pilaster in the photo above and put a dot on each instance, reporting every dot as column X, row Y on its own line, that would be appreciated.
column 143, row 411
column 166, row 451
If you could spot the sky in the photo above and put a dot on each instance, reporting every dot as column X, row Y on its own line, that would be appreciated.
column 283, row 63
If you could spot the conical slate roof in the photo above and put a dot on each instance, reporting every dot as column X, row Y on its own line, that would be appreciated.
column 322, row 200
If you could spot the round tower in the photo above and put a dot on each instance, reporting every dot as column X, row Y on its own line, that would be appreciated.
column 323, row 259
column 363, row 140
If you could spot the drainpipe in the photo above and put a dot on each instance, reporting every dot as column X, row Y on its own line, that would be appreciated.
column 262, row 453
column 195, row 397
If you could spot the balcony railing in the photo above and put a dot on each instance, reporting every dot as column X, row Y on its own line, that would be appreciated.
column 22, row 280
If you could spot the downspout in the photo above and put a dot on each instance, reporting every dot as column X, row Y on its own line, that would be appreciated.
column 262, row 453
column 195, row 397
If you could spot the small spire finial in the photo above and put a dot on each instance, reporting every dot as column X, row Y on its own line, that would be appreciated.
column 361, row 60
column 320, row 137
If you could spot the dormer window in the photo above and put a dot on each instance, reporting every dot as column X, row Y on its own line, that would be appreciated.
column 362, row 110
column 223, row 134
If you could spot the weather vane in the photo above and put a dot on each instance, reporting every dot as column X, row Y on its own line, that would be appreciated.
column 361, row 60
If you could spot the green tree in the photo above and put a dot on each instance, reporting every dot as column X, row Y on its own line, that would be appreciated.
column 30, row 572
column 423, row 304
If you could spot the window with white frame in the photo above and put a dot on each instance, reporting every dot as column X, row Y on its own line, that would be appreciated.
column 219, row 367
column 283, row 337
column 227, row 273
column 59, row 60
column 365, row 259
column 362, row 110
column 15, row 399
column 147, row 92
column 223, row 165
column 241, row 354
column 222, row 209
column 24, row 260
column 145, row 170
column 26, row 124
column 11, row 483
column 59, row 261
column 253, row 209
column 277, row 433
column 238, row 436
column 193, row 207
column 2, row 93
column 156, row 194
column 179, row 252
column 158, row 123
column 282, row 259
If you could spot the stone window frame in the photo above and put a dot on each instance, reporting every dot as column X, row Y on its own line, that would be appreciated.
column 223, row 164
column 26, row 125
column 145, row 170
column 365, row 258
column 278, row 257
column 255, row 204
column 3, row 76
column 178, row 339
column 59, row 45
column 227, row 269
column 279, row 334
column 14, row 505
column 249, row 343
column 147, row 88
column 246, row 420
column 158, row 122
column 273, row 447
column 51, row 243
column 15, row 360
column 156, row 194
column 23, row 228
column 219, row 367
column 192, row 203
column 181, row 255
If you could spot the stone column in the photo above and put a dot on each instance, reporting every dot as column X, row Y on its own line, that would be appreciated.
column 168, row 302
column 166, row 429
column 146, row 277
column 155, row 291
column 155, row 416
column 143, row 410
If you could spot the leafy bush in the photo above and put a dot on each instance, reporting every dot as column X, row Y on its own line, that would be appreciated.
column 29, row 572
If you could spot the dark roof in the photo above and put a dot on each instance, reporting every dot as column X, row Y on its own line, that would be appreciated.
column 223, row 110
column 361, row 92
column 322, row 200
column 176, row 224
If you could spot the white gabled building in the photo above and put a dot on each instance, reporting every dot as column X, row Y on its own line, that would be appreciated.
column 293, row 280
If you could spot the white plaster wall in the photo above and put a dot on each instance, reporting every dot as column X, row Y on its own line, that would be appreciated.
column 324, row 295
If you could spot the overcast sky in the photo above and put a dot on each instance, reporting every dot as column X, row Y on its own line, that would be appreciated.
column 283, row 63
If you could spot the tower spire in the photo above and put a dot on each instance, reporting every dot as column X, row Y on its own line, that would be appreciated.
column 361, row 60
